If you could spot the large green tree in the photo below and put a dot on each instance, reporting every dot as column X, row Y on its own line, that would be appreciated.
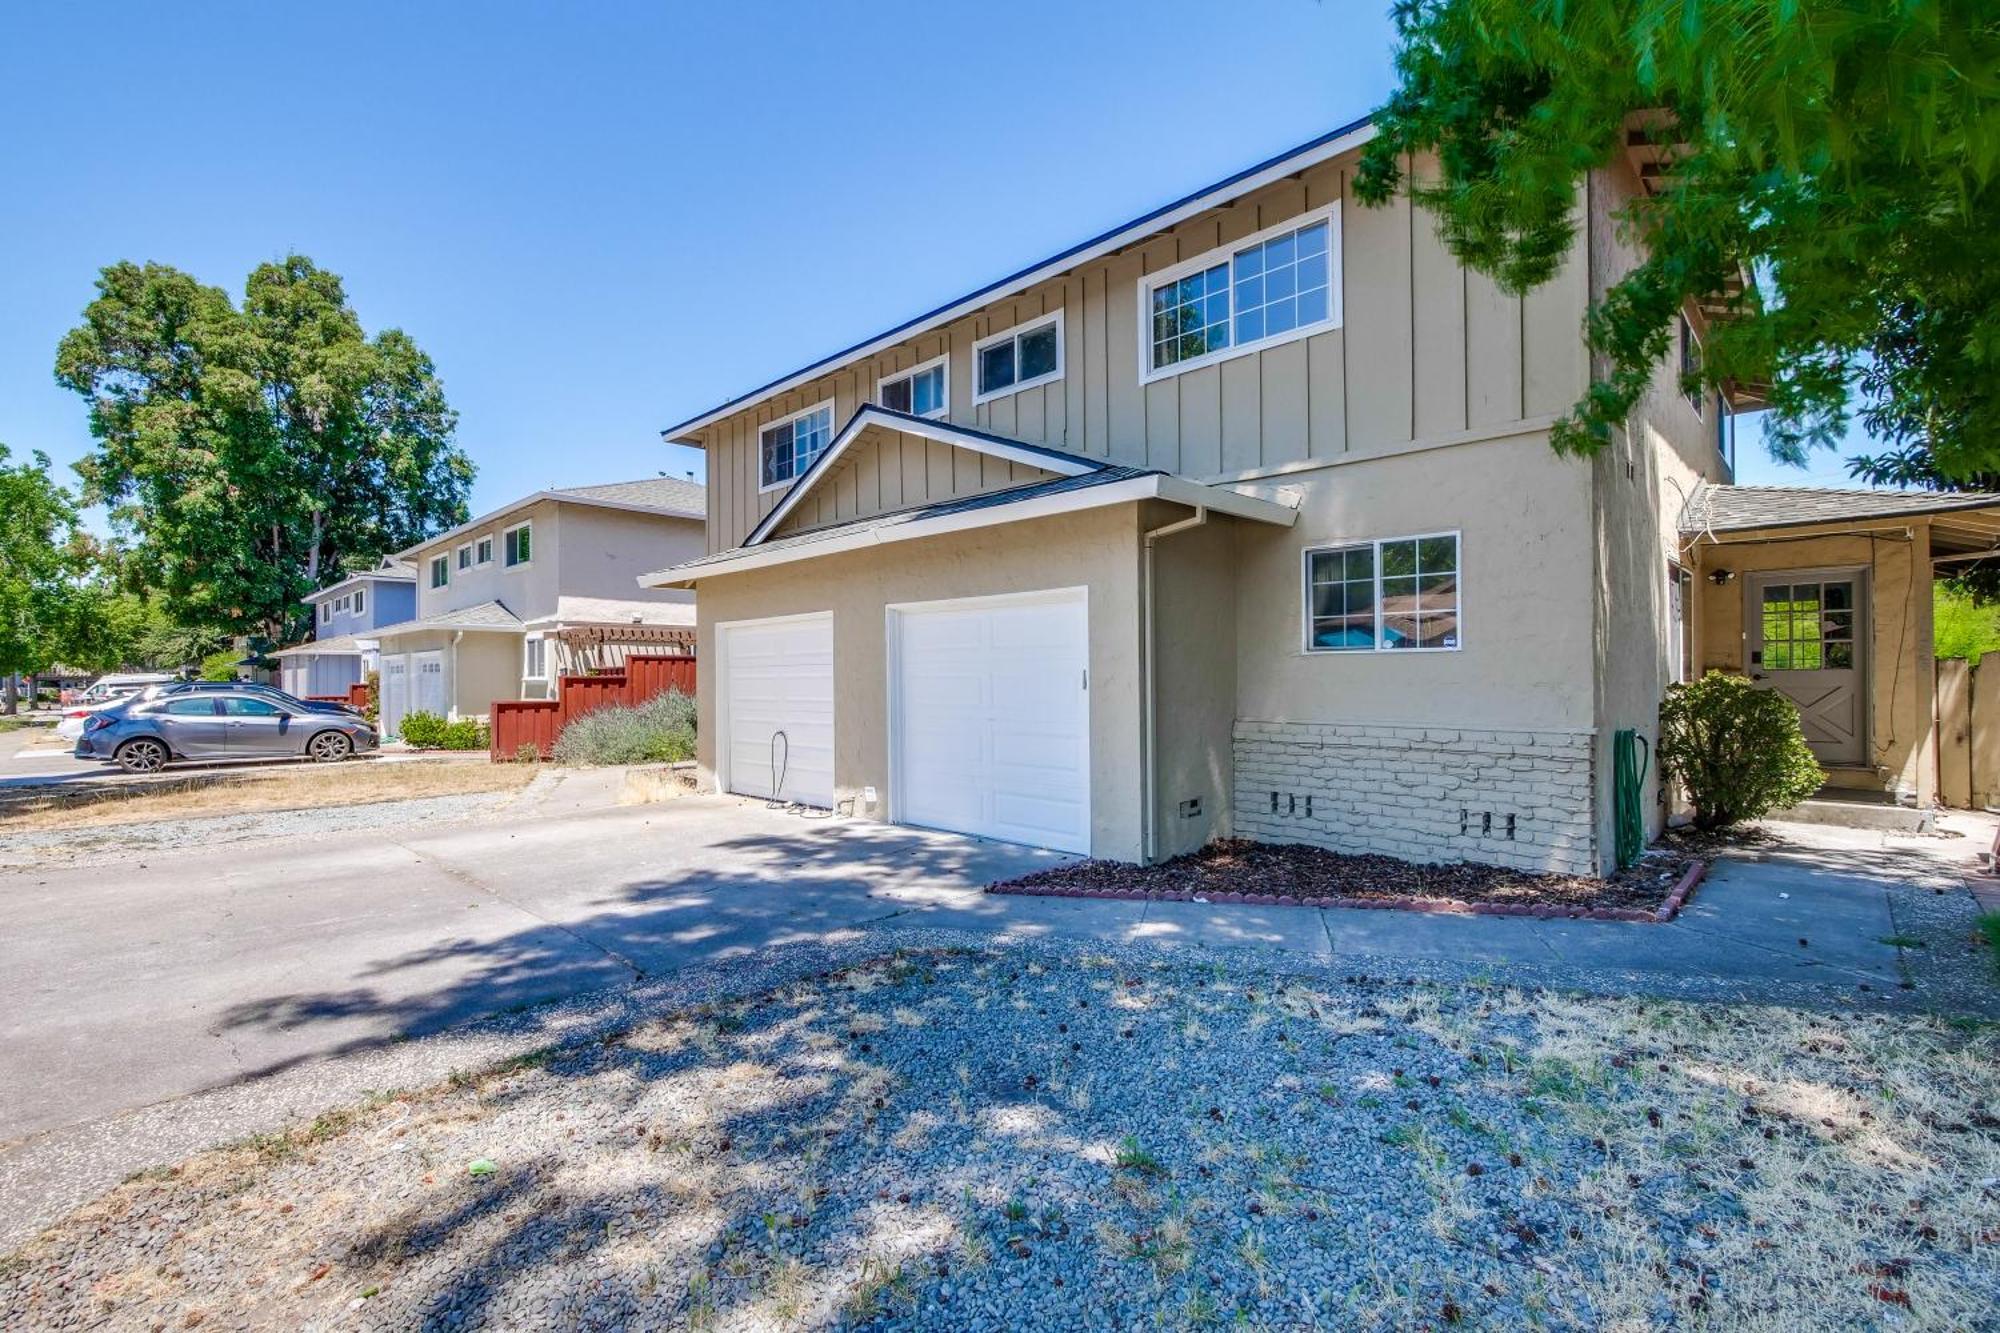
column 47, row 601
column 248, row 452
column 1843, row 152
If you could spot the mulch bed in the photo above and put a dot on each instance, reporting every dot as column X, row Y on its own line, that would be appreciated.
column 1241, row 871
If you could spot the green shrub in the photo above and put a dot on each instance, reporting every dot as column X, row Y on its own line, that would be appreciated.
column 468, row 733
column 659, row 731
column 423, row 730
column 1736, row 749
column 220, row 665
column 373, row 708
column 527, row 752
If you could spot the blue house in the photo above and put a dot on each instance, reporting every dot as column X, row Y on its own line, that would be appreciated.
column 343, row 648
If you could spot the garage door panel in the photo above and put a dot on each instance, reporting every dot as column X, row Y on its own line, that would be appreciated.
column 993, row 720
column 777, row 732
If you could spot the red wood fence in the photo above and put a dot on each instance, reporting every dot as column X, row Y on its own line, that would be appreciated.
column 537, row 722
column 357, row 695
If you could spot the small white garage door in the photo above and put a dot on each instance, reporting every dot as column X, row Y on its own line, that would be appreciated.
column 777, row 709
column 991, row 717
column 394, row 700
column 427, row 684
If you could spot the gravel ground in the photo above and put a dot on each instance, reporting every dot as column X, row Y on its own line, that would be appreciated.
column 1044, row 1136
column 1313, row 873
column 124, row 842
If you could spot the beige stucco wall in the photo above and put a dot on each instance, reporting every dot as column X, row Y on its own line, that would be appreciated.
column 1900, row 669
column 1195, row 677
column 1095, row 549
column 480, row 667
column 1426, row 350
column 575, row 550
column 1639, row 484
column 1525, row 659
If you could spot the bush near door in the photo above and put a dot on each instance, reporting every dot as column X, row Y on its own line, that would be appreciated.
column 1738, row 750
column 428, row 731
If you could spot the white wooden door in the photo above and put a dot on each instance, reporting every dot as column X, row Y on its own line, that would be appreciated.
column 394, row 698
column 1808, row 637
column 776, row 709
column 991, row 717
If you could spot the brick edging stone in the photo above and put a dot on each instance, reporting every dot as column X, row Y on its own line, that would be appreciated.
column 1668, row 909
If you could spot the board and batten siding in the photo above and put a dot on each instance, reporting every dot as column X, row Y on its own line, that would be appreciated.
column 887, row 470
column 1426, row 350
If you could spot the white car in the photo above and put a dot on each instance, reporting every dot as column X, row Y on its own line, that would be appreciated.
column 103, row 692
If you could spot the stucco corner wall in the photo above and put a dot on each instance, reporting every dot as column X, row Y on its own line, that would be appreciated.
column 1095, row 549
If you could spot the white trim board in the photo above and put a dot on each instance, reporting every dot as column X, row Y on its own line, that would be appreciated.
column 1325, row 148
column 930, row 428
column 1151, row 486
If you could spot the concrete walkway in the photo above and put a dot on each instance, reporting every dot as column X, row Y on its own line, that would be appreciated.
column 154, row 1007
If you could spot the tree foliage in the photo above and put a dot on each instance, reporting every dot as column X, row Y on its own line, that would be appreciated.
column 1842, row 151
column 47, row 598
column 249, row 452
column 1737, row 749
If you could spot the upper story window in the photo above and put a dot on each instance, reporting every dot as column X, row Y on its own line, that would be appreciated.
column 1382, row 596
column 1020, row 358
column 325, row 612
column 440, row 571
column 921, row 392
column 1278, row 285
column 1690, row 365
column 516, row 545
column 483, row 551
column 360, row 601
column 787, row 447
column 465, row 556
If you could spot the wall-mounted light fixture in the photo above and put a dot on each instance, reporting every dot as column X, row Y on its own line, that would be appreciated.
column 1719, row 577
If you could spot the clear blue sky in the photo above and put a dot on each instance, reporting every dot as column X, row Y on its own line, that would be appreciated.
column 602, row 218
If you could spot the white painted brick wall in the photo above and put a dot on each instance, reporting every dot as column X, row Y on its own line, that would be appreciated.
column 1408, row 791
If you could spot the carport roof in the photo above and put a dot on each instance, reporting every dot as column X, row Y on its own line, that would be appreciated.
column 1106, row 485
column 480, row 616
column 1737, row 508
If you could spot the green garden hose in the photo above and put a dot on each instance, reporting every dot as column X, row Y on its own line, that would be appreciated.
column 1630, row 757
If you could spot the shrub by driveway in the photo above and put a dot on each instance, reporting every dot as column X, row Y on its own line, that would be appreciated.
column 1044, row 1137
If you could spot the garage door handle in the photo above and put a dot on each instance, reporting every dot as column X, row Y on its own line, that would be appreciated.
column 1086, row 678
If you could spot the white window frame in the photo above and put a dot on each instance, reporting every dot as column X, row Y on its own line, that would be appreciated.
column 832, row 430
column 507, row 532
column 482, row 552
column 355, row 601
column 1225, row 254
column 935, row 363
column 1305, row 593
column 326, row 613
column 462, row 557
column 529, row 642
column 438, row 562
column 1025, row 326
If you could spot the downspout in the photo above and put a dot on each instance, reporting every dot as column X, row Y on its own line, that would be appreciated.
column 451, row 704
column 1149, row 815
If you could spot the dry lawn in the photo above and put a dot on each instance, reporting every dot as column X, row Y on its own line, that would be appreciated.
column 363, row 782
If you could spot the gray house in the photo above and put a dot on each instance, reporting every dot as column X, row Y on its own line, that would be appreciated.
column 346, row 614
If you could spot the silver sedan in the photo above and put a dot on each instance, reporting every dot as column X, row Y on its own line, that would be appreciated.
column 145, row 735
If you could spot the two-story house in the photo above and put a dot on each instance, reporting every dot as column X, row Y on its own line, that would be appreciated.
column 346, row 615
column 1240, row 518
column 502, row 601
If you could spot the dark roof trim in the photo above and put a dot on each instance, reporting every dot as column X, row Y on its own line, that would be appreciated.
column 1021, row 277
column 869, row 414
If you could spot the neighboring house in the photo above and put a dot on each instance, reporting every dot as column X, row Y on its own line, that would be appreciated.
column 542, row 586
column 346, row 615
column 1238, row 519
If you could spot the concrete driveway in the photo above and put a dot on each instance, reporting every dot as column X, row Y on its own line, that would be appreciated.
column 128, row 990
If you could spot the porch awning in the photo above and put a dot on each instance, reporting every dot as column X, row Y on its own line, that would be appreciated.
column 1964, row 525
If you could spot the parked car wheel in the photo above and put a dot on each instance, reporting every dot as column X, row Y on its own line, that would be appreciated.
column 329, row 747
column 143, row 755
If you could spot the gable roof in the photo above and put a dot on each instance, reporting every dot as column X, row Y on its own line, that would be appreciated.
column 1102, row 485
column 655, row 492
column 668, row 496
column 1714, row 508
column 390, row 570
column 931, row 428
column 1314, row 151
column 478, row 616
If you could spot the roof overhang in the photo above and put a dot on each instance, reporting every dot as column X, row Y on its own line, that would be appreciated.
column 488, row 519
column 364, row 576
column 930, row 428
column 1305, row 156
column 1133, row 490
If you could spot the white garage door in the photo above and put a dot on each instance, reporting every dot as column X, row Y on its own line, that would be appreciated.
column 777, row 709
column 394, row 700
column 992, row 717
column 427, row 687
